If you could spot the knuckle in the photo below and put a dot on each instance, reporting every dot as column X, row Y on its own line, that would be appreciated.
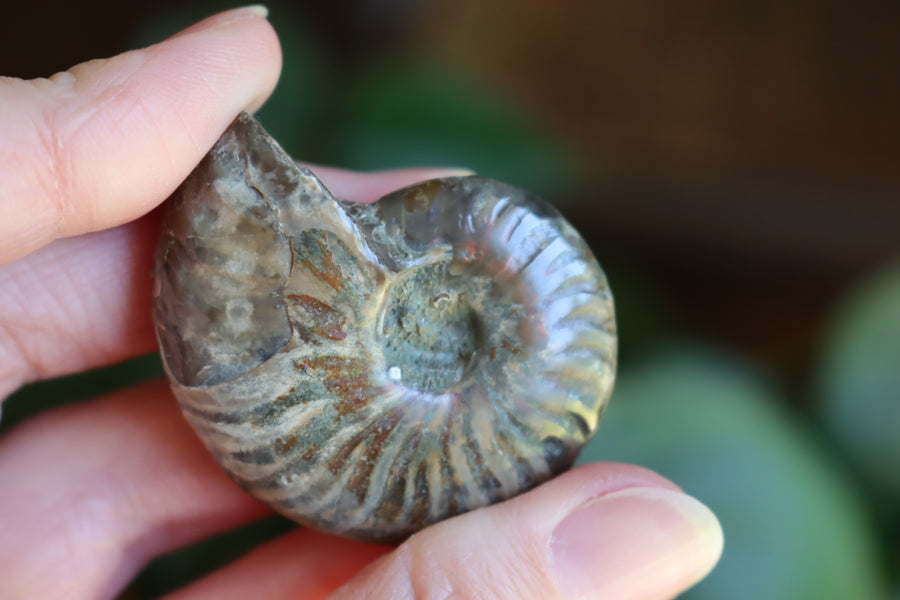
column 39, row 175
column 419, row 575
column 55, row 166
column 13, row 360
column 61, row 126
column 432, row 566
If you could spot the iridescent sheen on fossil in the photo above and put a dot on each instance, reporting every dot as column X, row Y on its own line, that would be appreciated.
column 371, row 369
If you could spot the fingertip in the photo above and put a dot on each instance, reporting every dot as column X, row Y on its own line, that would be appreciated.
column 227, row 63
column 105, row 142
column 607, row 546
column 171, row 111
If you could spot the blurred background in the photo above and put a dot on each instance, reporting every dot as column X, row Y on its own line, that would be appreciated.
column 736, row 169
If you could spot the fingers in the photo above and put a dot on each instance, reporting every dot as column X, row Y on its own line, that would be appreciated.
column 84, row 302
column 303, row 564
column 600, row 531
column 369, row 187
column 93, row 491
column 77, row 303
column 107, row 140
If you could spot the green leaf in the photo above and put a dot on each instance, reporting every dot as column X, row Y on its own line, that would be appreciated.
column 793, row 529
column 859, row 382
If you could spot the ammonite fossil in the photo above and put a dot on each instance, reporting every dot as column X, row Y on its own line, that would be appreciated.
column 371, row 369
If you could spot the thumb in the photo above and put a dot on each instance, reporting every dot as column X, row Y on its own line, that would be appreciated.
column 599, row 531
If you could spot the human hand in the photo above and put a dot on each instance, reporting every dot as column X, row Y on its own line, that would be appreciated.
column 94, row 491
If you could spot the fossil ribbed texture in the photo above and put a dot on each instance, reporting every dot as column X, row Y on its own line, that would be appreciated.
column 371, row 369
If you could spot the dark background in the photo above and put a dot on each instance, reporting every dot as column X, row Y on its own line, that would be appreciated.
column 736, row 169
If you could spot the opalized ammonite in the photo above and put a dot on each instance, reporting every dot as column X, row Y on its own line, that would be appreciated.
column 371, row 369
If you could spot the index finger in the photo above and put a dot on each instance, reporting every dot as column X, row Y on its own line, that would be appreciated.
column 104, row 142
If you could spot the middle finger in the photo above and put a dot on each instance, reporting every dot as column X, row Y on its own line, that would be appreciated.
column 93, row 491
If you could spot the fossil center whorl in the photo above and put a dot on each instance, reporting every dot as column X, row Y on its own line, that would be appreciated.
column 372, row 369
column 429, row 331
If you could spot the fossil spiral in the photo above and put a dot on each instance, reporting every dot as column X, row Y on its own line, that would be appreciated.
column 371, row 369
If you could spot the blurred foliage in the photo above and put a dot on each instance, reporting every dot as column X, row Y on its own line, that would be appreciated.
column 859, row 382
column 793, row 526
column 403, row 114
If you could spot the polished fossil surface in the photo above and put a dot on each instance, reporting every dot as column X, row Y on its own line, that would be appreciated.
column 371, row 369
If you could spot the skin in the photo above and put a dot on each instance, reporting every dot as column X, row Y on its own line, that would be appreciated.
column 92, row 492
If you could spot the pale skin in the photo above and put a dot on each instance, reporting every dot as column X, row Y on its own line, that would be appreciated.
column 92, row 492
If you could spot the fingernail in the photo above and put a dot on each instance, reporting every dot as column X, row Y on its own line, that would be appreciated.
column 235, row 14
column 633, row 542
column 457, row 171
column 225, row 18
column 259, row 10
